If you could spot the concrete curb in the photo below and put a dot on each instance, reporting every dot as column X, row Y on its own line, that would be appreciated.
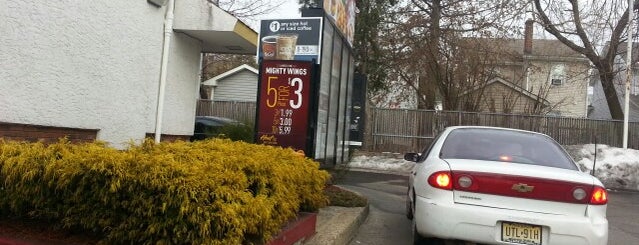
column 337, row 225
column 297, row 230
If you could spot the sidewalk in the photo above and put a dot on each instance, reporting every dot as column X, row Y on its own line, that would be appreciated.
column 337, row 225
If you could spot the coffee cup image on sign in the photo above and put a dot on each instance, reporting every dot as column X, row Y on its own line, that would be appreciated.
column 286, row 44
column 269, row 47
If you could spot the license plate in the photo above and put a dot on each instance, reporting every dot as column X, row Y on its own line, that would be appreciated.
column 521, row 233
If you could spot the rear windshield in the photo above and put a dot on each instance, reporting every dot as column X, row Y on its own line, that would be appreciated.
column 505, row 145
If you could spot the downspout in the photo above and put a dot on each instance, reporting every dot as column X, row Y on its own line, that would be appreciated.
column 626, row 110
column 168, row 31
column 199, row 78
column 527, row 76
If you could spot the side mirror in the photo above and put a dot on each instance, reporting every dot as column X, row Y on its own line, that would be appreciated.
column 412, row 157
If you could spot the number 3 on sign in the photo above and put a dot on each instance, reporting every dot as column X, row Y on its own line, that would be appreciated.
column 296, row 82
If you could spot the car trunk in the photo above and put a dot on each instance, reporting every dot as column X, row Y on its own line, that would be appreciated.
column 520, row 186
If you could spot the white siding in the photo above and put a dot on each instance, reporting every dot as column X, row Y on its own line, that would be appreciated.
column 93, row 64
column 241, row 86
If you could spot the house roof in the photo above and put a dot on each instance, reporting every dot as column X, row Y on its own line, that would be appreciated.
column 598, row 108
column 622, row 53
column 601, row 111
column 541, row 48
column 512, row 86
column 213, row 81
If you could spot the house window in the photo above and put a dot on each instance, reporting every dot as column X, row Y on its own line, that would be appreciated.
column 557, row 74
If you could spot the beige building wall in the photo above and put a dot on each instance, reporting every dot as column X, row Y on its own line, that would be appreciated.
column 512, row 72
column 500, row 98
column 567, row 99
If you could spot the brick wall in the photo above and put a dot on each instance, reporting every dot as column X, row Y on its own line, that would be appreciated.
column 47, row 134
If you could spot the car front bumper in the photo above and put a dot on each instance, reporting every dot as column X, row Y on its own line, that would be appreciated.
column 480, row 224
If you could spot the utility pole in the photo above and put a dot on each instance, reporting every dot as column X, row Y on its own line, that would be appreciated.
column 631, row 18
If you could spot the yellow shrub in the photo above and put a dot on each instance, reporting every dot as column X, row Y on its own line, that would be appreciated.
column 207, row 192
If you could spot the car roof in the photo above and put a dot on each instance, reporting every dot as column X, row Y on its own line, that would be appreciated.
column 213, row 119
column 497, row 128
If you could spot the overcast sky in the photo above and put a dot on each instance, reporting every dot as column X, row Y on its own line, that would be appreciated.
column 288, row 10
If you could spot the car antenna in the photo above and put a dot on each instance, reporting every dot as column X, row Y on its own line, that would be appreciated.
column 594, row 161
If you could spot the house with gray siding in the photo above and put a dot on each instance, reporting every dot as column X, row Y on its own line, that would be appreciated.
column 115, row 71
column 238, row 84
column 598, row 108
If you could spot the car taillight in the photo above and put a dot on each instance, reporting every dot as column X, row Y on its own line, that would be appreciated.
column 441, row 180
column 599, row 196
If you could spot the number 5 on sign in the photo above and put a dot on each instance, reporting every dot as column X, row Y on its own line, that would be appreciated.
column 270, row 89
column 296, row 82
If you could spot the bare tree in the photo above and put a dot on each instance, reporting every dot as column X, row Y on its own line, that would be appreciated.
column 216, row 64
column 490, row 95
column 429, row 46
column 425, row 40
column 309, row 3
column 248, row 9
column 588, row 28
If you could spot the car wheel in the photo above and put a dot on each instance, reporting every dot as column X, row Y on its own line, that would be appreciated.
column 409, row 206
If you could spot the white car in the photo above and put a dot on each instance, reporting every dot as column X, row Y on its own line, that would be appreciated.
column 503, row 186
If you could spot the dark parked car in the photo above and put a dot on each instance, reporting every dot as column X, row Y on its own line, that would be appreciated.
column 211, row 126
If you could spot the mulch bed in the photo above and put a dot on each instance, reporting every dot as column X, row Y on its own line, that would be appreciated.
column 28, row 232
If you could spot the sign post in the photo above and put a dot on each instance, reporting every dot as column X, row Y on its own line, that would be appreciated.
column 283, row 106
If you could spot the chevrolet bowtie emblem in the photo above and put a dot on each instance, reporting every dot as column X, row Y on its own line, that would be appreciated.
column 521, row 187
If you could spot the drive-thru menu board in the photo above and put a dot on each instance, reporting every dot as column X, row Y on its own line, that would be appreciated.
column 283, row 103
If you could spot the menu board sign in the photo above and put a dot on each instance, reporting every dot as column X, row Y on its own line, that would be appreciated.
column 283, row 103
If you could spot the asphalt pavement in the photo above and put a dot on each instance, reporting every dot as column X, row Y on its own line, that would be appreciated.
column 386, row 222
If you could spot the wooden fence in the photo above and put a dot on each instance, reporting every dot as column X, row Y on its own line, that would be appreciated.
column 240, row 111
column 400, row 130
